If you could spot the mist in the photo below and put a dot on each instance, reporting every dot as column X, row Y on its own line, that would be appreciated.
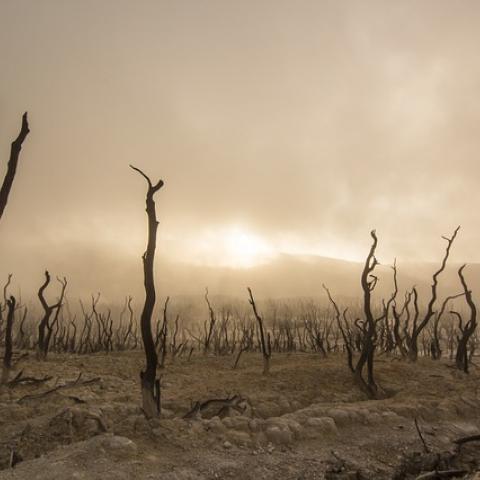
column 301, row 129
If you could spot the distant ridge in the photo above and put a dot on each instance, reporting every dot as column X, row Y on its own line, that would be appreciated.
column 90, row 271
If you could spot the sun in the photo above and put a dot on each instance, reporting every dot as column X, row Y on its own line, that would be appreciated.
column 233, row 246
column 244, row 249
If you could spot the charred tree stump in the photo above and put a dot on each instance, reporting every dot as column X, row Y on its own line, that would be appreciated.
column 150, row 385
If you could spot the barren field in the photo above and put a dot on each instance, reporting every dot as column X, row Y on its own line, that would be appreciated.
column 306, row 420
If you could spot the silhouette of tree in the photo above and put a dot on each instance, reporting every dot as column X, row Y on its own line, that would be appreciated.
column 12, row 164
column 149, row 383
column 468, row 330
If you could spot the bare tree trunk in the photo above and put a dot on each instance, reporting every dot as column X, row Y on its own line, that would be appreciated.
column 413, row 342
column 163, row 335
column 57, row 309
column 368, row 328
column 265, row 343
column 461, row 359
column 12, row 164
column 211, row 325
column 149, row 384
column 7, row 358
column 44, row 327
column 343, row 331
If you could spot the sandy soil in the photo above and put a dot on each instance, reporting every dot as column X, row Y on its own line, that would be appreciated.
column 306, row 420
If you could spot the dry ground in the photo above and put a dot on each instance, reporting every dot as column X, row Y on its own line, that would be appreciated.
column 306, row 420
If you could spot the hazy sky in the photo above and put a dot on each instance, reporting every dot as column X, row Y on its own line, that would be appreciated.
column 293, row 126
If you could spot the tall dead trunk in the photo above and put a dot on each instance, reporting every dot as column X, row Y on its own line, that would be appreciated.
column 149, row 383
column 45, row 327
column 57, row 308
column 417, row 329
column 368, row 327
column 265, row 342
column 435, row 344
column 211, row 326
column 347, row 343
column 162, row 336
column 7, row 358
column 12, row 164
column 468, row 330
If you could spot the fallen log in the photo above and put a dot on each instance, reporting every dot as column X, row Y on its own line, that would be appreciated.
column 470, row 438
column 220, row 407
column 75, row 383
column 441, row 474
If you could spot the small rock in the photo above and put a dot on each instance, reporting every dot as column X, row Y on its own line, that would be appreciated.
column 277, row 435
column 215, row 425
column 322, row 425
column 239, row 438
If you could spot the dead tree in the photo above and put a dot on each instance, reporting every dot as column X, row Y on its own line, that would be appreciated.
column 461, row 359
column 245, row 344
column 389, row 343
column 131, row 322
column 44, row 327
column 412, row 341
column 149, row 383
column 7, row 358
column 211, row 324
column 63, row 283
column 397, row 315
column 368, row 326
column 265, row 343
column 162, row 334
column 343, row 331
column 12, row 164
column 4, row 305
column 174, row 348
column 435, row 346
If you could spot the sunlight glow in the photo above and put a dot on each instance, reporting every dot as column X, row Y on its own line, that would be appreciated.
column 244, row 249
column 232, row 246
column 238, row 246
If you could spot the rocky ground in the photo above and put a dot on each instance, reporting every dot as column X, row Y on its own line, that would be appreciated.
column 306, row 420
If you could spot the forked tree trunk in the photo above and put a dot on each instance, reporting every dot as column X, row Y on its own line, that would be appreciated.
column 416, row 330
column 149, row 383
column 44, row 327
column 368, row 281
column 468, row 330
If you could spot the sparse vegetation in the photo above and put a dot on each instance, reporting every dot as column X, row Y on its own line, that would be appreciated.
column 78, row 384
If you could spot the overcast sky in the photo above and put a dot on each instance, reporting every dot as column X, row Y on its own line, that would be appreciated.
column 293, row 126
